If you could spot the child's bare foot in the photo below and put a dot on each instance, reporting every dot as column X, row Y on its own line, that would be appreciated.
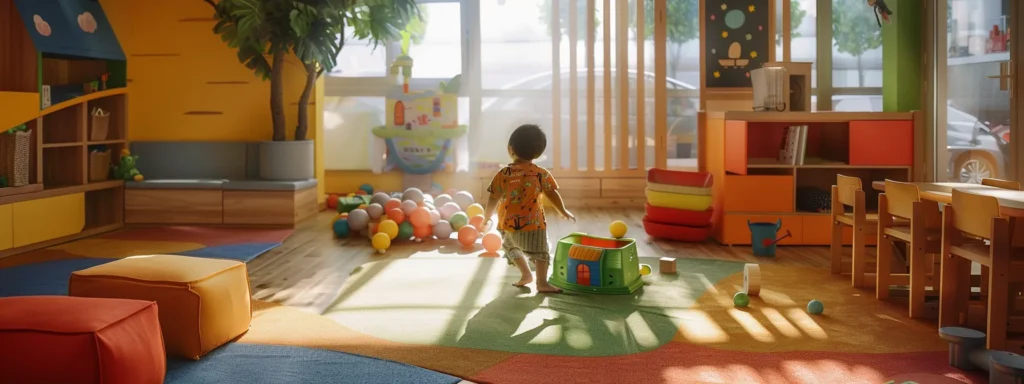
column 545, row 287
column 523, row 281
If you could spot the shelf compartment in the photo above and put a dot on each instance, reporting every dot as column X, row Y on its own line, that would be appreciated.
column 63, row 166
column 117, row 107
column 759, row 193
column 64, row 126
column 824, row 178
column 115, row 156
column 817, row 230
column 68, row 77
column 104, row 207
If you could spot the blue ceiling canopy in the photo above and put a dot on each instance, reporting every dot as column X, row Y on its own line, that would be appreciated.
column 70, row 28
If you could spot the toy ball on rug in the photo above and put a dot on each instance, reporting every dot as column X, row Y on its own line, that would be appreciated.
column 449, row 209
column 815, row 307
column 380, row 198
column 341, row 228
column 458, row 220
column 435, row 216
column 474, row 209
column 422, row 232
column 740, row 299
column 477, row 222
column 419, row 217
column 645, row 269
column 441, row 200
column 413, row 194
column 492, row 242
column 388, row 227
column 468, row 235
column 405, row 230
column 618, row 229
column 381, row 242
column 396, row 214
column 443, row 230
column 367, row 188
column 408, row 205
column 375, row 211
column 463, row 199
column 339, row 217
column 358, row 219
column 392, row 203
column 332, row 201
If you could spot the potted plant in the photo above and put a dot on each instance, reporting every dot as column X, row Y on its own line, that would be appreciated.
column 266, row 32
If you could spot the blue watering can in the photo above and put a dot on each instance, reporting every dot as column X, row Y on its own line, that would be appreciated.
column 762, row 237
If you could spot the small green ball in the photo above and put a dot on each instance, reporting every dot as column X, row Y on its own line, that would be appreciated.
column 405, row 230
column 740, row 299
column 815, row 307
column 458, row 220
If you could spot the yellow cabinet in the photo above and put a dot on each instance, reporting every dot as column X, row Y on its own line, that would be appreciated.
column 6, row 227
column 47, row 219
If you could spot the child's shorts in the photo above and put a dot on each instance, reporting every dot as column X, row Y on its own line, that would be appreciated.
column 531, row 244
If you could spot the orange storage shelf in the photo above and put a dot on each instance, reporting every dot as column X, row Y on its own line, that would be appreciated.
column 736, row 147
column 882, row 143
column 759, row 193
column 817, row 230
column 736, row 232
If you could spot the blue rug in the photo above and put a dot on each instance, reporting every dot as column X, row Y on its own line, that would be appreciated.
column 256, row 364
column 240, row 252
column 47, row 278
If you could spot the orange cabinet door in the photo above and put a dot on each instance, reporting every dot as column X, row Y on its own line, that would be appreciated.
column 737, row 232
column 758, row 193
column 736, row 147
column 882, row 143
column 817, row 230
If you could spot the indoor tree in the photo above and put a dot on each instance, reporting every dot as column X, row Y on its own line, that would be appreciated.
column 265, row 32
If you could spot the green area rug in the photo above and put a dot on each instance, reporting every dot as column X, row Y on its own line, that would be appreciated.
column 471, row 303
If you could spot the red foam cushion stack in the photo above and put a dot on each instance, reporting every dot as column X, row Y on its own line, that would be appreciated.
column 678, row 224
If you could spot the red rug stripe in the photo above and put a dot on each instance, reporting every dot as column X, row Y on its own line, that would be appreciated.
column 210, row 237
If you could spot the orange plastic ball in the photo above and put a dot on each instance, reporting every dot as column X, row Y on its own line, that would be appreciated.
column 492, row 242
column 423, row 232
column 392, row 204
column 477, row 222
column 420, row 217
column 397, row 215
column 360, row 192
column 332, row 201
column 372, row 227
column 362, row 206
column 468, row 235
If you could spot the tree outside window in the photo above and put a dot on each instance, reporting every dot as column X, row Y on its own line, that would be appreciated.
column 855, row 31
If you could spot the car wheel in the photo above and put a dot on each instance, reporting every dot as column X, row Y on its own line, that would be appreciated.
column 971, row 169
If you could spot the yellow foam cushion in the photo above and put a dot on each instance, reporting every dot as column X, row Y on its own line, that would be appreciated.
column 203, row 303
column 678, row 201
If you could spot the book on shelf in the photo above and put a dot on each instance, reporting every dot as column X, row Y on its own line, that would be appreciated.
column 794, row 145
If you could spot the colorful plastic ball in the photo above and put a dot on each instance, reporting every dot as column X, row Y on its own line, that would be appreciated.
column 492, row 242
column 448, row 210
column 451, row 191
column 422, row 233
column 360, row 193
column 381, row 242
column 477, row 222
column 815, row 307
column 645, row 269
column 414, row 194
column 459, row 220
column 618, row 229
column 350, row 195
column 463, row 199
column 367, row 188
column 392, row 204
column 420, row 217
column 441, row 200
column 443, row 230
column 475, row 209
column 363, row 206
column 371, row 228
column 389, row 228
column 435, row 188
column 375, row 210
column 405, row 230
column 332, row 201
column 408, row 206
column 468, row 235
column 339, row 217
column 341, row 228
column 380, row 198
column 435, row 216
column 397, row 215
column 357, row 219
column 740, row 299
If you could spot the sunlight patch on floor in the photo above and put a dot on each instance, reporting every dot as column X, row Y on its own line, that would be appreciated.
column 752, row 326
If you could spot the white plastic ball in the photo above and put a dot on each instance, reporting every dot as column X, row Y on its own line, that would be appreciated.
column 375, row 211
column 463, row 199
column 448, row 210
column 435, row 216
column 408, row 206
column 358, row 219
column 380, row 198
column 414, row 194
column 441, row 200
column 442, row 230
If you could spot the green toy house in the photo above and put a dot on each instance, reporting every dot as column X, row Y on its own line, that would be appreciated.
column 591, row 264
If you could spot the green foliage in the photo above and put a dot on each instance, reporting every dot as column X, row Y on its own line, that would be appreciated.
column 796, row 17
column 854, row 27
column 682, row 22
column 19, row 128
column 546, row 11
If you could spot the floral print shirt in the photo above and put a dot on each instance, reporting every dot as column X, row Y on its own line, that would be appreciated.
column 519, row 187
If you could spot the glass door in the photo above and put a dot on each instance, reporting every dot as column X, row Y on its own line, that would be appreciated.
column 974, row 103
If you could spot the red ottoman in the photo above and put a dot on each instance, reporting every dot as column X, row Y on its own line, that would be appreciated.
column 61, row 339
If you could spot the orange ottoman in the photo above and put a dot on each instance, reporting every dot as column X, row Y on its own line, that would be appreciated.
column 204, row 303
column 60, row 339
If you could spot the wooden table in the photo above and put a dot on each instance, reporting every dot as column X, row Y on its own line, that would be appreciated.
column 1011, row 202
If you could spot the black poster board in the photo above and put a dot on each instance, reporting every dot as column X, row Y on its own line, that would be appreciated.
column 737, row 40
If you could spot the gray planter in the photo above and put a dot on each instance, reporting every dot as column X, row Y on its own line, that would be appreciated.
column 286, row 160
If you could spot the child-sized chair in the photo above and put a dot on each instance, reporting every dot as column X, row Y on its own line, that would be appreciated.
column 921, row 229
column 849, row 191
column 999, row 183
column 1018, row 232
column 974, row 231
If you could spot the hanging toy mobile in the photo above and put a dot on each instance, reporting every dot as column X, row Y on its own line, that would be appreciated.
column 882, row 11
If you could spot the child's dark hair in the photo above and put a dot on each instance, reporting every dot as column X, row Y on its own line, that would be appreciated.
column 528, row 142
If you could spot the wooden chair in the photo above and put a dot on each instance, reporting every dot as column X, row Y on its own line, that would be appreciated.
column 1004, row 184
column 920, row 228
column 974, row 231
column 849, row 191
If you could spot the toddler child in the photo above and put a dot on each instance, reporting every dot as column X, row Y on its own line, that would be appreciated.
column 516, row 192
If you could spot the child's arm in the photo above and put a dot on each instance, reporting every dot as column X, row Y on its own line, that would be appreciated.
column 493, row 198
column 550, row 188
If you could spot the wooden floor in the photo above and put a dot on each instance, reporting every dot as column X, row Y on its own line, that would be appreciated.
column 308, row 270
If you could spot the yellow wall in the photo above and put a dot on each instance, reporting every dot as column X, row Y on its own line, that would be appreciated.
column 186, row 84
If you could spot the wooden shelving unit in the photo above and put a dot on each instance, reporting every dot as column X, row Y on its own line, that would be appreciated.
column 59, row 189
column 750, row 184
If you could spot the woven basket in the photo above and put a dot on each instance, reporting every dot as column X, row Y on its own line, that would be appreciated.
column 15, row 154
column 100, row 127
column 99, row 165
